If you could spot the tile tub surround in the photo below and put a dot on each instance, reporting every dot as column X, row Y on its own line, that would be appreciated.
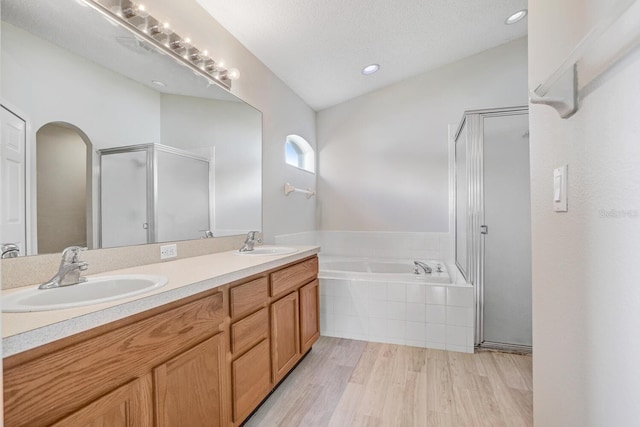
column 415, row 314
column 431, row 316
column 187, row 277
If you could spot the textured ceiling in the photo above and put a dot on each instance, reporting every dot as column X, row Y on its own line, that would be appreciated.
column 318, row 47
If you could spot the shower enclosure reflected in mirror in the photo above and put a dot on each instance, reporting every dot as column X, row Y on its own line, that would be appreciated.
column 70, row 75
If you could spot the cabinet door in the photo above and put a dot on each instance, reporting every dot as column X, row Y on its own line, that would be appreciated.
column 309, row 315
column 251, row 380
column 189, row 389
column 126, row 406
column 285, row 337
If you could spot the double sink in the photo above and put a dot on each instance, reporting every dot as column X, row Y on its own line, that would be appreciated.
column 99, row 290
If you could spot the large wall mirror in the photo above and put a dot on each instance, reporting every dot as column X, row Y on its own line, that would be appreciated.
column 121, row 144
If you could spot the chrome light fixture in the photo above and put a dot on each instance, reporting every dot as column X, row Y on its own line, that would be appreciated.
column 137, row 19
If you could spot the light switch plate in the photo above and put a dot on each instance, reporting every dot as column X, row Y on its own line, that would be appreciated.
column 560, row 203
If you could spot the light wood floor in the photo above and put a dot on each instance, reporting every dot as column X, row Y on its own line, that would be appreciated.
column 344, row 383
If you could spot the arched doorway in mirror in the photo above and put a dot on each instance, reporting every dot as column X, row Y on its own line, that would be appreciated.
column 64, row 187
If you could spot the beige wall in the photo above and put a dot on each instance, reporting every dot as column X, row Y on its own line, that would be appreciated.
column 586, row 298
column 62, row 189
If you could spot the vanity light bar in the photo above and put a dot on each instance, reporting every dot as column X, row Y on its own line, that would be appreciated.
column 137, row 19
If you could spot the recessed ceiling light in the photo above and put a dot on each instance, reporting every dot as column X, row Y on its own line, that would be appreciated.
column 370, row 69
column 159, row 83
column 516, row 17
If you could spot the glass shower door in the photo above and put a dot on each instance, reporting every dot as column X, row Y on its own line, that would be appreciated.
column 123, row 199
column 506, row 275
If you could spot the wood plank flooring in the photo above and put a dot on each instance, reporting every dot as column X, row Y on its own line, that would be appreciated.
column 344, row 383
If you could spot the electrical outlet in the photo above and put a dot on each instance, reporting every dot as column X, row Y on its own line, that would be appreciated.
column 168, row 251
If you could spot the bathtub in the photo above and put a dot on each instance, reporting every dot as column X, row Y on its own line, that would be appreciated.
column 383, row 270
column 382, row 300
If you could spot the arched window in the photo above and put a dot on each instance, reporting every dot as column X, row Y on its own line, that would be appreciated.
column 299, row 153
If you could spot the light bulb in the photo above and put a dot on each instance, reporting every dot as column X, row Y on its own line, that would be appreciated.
column 166, row 29
column 233, row 74
column 516, row 17
column 142, row 11
column 370, row 69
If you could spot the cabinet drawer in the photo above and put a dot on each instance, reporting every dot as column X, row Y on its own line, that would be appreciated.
column 251, row 380
column 249, row 331
column 248, row 296
column 289, row 278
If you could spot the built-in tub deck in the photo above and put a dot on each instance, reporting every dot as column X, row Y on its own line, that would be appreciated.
column 383, row 300
column 385, row 270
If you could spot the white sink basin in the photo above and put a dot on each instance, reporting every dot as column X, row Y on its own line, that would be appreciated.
column 268, row 250
column 93, row 291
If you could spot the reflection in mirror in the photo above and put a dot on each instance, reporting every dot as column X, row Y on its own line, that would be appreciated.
column 65, row 67
column 63, row 170
column 152, row 193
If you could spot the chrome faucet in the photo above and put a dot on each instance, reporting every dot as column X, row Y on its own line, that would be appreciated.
column 208, row 234
column 421, row 265
column 69, row 270
column 251, row 240
column 9, row 250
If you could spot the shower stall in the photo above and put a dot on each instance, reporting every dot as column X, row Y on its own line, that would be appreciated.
column 152, row 193
column 493, row 223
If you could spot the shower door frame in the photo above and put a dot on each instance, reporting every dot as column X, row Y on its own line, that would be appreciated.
column 151, row 150
column 474, row 119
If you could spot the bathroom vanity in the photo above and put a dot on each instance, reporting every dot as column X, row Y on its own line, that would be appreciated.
column 208, row 357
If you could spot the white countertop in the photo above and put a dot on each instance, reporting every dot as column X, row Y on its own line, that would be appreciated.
column 189, row 276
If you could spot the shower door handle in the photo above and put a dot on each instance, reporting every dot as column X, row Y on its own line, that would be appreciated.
column 484, row 229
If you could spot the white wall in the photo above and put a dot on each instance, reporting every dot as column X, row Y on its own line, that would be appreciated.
column 586, row 298
column 56, row 92
column 283, row 113
column 383, row 157
column 229, row 133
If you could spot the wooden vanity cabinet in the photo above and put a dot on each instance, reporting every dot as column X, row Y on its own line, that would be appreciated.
column 206, row 360
column 144, row 370
column 309, row 315
column 285, row 335
column 295, row 317
column 189, row 389
column 125, row 406
column 249, row 349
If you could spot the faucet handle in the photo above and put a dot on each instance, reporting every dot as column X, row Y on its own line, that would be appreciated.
column 207, row 234
column 251, row 235
column 72, row 253
column 9, row 250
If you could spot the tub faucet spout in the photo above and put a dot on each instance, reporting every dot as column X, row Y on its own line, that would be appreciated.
column 421, row 265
